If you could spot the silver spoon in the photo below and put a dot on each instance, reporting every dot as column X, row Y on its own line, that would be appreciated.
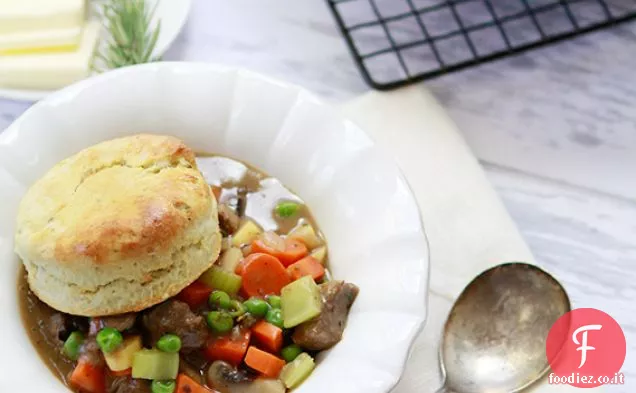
column 494, row 338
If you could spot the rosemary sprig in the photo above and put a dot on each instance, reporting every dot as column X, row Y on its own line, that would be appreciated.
column 130, row 39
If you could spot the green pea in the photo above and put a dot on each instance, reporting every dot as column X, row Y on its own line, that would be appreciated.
column 257, row 307
column 220, row 299
column 275, row 317
column 73, row 344
column 291, row 352
column 162, row 386
column 287, row 209
column 169, row 343
column 109, row 339
column 274, row 301
column 220, row 321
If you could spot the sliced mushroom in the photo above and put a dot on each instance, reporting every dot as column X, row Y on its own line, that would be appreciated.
column 241, row 202
column 226, row 378
column 229, row 221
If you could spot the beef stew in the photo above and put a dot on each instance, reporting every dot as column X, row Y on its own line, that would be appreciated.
column 252, row 323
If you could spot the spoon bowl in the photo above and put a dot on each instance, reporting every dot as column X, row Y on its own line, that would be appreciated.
column 495, row 336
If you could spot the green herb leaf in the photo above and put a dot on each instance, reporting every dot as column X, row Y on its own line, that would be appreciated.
column 130, row 37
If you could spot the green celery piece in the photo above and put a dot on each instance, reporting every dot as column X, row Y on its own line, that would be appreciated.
column 73, row 344
column 300, row 301
column 294, row 373
column 155, row 364
column 221, row 280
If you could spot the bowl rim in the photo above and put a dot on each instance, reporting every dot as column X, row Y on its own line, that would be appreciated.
column 173, row 66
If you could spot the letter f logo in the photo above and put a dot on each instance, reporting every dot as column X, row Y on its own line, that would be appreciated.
column 584, row 347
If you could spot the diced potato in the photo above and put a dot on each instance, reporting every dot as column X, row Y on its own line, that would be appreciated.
column 294, row 373
column 155, row 364
column 320, row 254
column 122, row 358
column 230, row 259
column 246, row 233
column 306, row 234
column 300, row 301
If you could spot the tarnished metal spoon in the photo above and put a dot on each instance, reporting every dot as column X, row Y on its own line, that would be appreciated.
column 494, row 338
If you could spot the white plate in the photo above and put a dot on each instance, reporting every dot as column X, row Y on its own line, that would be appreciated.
column 358, row 196
column 173, row 15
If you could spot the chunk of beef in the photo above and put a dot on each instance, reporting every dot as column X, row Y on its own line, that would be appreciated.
column 175, row 317
column 91, row 353
column 195, row 359
column 56, row 327
column 77, row 323
column 129, row 385
column 189, row 370
column 59, row 326
column 229, row 220
column 326, row 330
column 120, row 322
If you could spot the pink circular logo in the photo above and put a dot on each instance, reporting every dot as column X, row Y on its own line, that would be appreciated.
column 586, row 348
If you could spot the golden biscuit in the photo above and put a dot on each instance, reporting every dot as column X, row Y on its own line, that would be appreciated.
column 118, row 227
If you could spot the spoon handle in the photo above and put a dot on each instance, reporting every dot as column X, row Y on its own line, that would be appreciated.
column 445, row 389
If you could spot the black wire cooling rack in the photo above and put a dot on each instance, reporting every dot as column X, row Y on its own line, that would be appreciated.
column 398, row 42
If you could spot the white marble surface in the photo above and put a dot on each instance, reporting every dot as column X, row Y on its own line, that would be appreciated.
column 554, row 128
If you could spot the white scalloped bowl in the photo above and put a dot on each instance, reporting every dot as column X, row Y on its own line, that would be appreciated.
column 359, row 197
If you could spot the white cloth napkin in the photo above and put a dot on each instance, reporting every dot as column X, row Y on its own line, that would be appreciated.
column 467, row 226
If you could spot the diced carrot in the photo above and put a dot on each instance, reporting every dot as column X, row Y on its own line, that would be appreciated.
column 269, row 243
column 263, row 362
column 186, row 384
column 227, row 348
column 195, row 294
column 216, row 191
column 268, row 336
column 287, row 251
column 263, row 275
column 308, row 266
column 88, row 377
column 294, row 250
column 121, row 373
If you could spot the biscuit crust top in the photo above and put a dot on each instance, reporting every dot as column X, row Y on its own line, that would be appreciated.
column 114, row 201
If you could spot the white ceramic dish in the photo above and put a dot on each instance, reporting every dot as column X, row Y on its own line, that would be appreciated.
column 358, row 196
column 173, row 15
